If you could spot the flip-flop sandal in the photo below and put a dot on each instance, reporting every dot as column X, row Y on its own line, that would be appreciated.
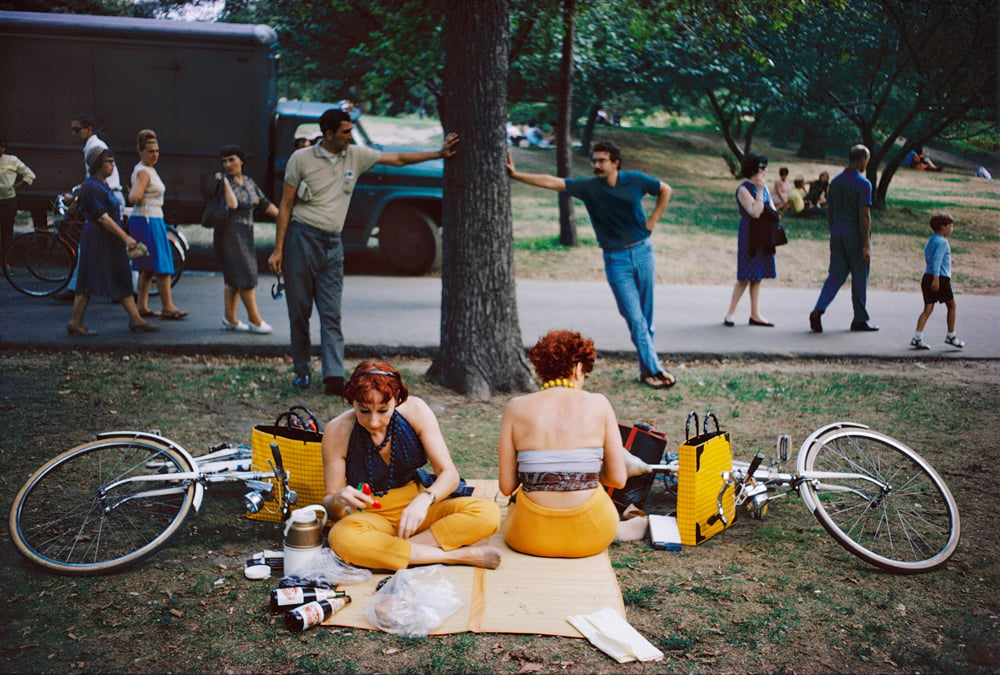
column 655, row 382
column 176, row 315
column 666, row 378
column 146, row 313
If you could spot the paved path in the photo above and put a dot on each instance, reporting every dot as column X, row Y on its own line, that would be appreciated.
column 385, row 315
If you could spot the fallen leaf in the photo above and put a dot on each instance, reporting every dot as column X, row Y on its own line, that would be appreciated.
column 530, row 668
column 176, row 612
column 390, row 651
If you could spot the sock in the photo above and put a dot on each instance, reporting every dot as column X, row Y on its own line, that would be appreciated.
column 950, row 335
column 917, row 335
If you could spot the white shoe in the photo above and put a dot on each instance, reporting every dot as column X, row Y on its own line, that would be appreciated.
column 917, row 343
column 238, row 326
column 954, row 341
column 263, row 329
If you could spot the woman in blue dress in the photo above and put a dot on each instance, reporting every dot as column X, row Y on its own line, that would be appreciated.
column 234, row 244
column 752, row 198
column 103, row 267
column 146, row 224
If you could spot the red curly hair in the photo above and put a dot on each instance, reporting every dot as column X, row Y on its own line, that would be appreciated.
column 557, row 353
column 375, row 382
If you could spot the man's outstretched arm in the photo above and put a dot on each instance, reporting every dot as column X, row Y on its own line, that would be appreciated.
column 537, row 179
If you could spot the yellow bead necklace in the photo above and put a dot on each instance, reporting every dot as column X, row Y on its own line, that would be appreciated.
column 558, row 382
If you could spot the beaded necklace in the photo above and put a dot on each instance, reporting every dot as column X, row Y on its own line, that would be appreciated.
column 558, row 382
column 372, row 454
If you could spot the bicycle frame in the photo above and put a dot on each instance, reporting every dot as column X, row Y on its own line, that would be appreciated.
column 222, row 464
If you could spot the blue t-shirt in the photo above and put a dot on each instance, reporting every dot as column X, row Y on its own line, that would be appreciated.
column 849, row 194
column 937, row 253
column 615, row 212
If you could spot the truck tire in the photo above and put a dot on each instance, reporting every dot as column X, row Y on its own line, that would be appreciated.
column 409, row 240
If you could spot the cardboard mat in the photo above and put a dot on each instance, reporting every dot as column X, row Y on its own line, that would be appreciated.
column 526, row 594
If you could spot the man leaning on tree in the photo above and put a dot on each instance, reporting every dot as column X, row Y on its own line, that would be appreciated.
column 614, row 203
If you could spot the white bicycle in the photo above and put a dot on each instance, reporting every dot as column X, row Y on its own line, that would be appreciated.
column 876, row 497
column 106, row 505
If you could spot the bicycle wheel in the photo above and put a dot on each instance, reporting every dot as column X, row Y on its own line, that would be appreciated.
column 39, row 263
column 889, row 507
column 74, row 515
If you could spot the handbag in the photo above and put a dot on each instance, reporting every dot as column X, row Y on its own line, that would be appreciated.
column 703, row 459
column 216, row 212
column 648, row 445
column 778, row 236
column 300, row 440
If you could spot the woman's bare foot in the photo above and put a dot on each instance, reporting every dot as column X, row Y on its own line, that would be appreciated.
column 487, row 557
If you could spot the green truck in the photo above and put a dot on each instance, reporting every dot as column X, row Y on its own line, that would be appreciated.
column 200, row 85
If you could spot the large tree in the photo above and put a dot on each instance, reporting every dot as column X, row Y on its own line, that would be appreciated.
column 481, row 349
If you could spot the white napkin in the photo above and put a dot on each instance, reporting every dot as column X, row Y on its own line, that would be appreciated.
column 614, row 636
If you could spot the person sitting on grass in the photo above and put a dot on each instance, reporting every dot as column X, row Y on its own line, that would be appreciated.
column 557, row 447
column 936, row 282
column 386, row 516
column 916, row 159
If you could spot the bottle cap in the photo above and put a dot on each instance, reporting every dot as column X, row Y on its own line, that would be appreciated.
column 257, row 572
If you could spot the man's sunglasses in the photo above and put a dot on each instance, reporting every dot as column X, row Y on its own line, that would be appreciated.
column 278, row 289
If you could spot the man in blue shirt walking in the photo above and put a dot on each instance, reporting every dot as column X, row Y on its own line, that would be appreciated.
column 614, row 203
column 849, row 202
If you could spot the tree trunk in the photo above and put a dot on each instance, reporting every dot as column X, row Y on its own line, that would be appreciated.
column 587, row 137
column 481, row 347
column 567, row 221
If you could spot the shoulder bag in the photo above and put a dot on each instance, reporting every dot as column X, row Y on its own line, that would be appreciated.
column 216, row 212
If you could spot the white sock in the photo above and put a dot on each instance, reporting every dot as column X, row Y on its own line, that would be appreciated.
column 950, row 335
column 917, row 335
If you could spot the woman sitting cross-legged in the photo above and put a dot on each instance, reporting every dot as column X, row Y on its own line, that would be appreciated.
column 380, row 443
column 557, row 447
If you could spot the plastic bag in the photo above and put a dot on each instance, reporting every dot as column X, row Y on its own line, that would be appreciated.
column 413, row 602
column 327, row 571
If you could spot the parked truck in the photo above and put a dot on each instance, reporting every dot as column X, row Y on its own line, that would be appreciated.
column 200, row 85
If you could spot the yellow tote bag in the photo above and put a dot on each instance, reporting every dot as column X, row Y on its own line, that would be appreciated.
column 297, row 434
column 703, row 459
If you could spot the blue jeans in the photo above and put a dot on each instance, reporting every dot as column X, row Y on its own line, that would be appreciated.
column 631, row 272
column 846, row 258
column 313, row 266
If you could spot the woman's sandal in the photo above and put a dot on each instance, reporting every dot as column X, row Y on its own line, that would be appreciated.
column 175, row 315
column 83, row 331
column 146, row 313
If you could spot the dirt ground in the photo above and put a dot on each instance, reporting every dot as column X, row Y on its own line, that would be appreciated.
column 776, row 595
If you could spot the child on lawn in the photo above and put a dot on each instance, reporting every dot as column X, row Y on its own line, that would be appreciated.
column 936, row 282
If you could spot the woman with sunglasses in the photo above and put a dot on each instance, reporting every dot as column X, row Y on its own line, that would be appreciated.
column 103, row 268
column 234, row 242
column 388, row 513
column 752, row 198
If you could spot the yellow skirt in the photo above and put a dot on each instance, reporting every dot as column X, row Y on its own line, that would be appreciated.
column 368, row 538
column 578, row 532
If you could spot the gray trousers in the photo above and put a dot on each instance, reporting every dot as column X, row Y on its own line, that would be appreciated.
column 313, row 266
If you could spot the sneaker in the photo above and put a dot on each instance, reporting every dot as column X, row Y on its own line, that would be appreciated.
column 301, row 382
column 954, row 341
column 238, row 326
column 917, row 343
column 263, row 329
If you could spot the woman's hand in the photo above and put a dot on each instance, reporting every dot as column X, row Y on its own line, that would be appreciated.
column 346, row 501
column 414, row 514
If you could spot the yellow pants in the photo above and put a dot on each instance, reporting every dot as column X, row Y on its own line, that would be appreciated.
column 368, row 538
column 578, row 532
